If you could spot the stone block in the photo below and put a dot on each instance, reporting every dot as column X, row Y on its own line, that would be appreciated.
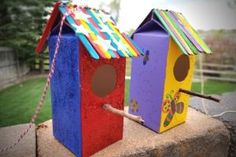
column 26, row 147
column 198, row 136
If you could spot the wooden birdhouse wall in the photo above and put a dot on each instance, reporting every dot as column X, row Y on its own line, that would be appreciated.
column 66, row 93
column 102, row 82
column 157, row 77
column 79, row 88
column 179, row 73
column 148, row 77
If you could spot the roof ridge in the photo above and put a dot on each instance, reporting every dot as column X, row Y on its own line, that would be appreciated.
column 97, row 30
column 186, row 37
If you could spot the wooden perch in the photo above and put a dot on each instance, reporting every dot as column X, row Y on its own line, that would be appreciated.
column 111, row 109
column 199, row 95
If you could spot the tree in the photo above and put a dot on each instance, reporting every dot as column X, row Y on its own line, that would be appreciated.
column 115, row 8
column 232, row 4
column 21, row 24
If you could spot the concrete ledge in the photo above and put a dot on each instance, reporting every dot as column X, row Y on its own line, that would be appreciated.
column 26, row 147
column 200, row 136
column 227, row 103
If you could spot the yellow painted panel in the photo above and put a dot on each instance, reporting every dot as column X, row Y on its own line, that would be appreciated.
column 171, row 87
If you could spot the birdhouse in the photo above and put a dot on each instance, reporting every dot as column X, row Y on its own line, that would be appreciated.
column 89, row 72
column 170, row 45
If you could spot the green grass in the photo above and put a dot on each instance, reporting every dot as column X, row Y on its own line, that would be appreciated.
column 214, row 87
column 18, row 102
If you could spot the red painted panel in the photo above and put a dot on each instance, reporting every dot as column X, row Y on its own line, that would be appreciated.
column 99, row 127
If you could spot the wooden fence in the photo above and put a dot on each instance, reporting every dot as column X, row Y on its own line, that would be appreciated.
column 45, row 63
column 210, row 71
column 216, row 72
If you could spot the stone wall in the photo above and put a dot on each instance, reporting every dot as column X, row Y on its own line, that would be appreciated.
column 10, row 68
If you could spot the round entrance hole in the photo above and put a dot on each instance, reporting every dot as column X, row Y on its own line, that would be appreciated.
column 181, row 68
column 104, row 80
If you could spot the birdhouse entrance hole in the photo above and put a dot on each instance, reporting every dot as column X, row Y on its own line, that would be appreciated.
column 181, row 68
column 103, row 80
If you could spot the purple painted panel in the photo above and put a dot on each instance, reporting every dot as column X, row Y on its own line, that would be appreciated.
column 148, row 76
column 148, row 18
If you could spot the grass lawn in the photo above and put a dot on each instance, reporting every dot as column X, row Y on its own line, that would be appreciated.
column 18, row 102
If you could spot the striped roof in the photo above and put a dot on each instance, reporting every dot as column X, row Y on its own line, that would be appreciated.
column 98, row 32
column 186, row 37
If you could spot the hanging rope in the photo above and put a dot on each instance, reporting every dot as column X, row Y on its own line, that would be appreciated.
column 223, row 113
column 44, row 93
column 202, row 83
column 202, row 92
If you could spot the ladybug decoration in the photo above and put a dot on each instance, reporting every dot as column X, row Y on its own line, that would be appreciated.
column 171, row 105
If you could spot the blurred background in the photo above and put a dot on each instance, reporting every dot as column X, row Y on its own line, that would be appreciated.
column 23, row 73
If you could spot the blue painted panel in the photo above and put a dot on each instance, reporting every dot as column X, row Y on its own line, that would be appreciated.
column 65, row 93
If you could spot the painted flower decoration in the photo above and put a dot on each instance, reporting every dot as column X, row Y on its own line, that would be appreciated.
column 134, row 105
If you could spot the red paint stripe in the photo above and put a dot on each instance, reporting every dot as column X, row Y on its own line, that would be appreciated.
column 132, row 46
column 98, row 29
column 89, row 37
column 48, row 28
